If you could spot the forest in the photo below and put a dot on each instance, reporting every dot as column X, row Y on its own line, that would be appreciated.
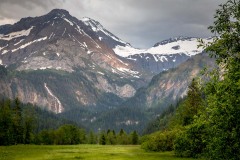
column 28, row 124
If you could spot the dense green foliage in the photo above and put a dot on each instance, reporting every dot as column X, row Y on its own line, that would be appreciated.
column 16, row 125
column 209, row 117
column 160, row 141
column 66, row 134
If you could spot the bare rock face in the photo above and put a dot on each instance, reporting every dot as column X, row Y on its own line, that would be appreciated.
column 124, row 91
column 27, row 93
column 169, row 86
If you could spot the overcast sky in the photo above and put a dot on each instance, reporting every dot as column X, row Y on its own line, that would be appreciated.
column 139, row 22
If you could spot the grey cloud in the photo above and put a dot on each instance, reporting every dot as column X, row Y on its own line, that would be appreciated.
column 16, row 9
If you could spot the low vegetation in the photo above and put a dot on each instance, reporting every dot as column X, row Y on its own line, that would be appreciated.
column 88, row 152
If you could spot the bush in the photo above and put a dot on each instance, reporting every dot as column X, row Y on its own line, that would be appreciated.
column 160, row 141
column 192, row 142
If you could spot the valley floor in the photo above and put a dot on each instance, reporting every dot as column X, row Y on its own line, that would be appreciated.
column 87, row 152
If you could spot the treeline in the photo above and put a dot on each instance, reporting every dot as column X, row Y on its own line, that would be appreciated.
column 16, row 125
column 207, row 123
column 70, row 134
column 28, row 124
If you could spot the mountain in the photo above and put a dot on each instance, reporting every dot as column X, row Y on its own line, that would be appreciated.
column 164, row 89
column 64, row 49
column 81, row 71
column 171, row 85
column 163, row 55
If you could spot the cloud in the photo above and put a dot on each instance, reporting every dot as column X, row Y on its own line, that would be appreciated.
column 140, row 22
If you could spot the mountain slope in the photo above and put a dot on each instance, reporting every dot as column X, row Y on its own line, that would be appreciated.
column 172, row 84
column 165, row 89
column 57, row 48
column 81, row 71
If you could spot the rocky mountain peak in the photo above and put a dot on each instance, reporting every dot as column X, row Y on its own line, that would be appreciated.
column 58, row 11
column 175, row 39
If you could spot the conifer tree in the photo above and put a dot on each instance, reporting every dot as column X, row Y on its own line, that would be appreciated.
column 17, row 122
column 134, row 137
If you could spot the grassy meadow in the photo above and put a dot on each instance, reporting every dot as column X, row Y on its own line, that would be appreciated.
column 87, row 152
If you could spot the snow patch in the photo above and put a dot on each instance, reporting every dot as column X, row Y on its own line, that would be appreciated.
column 188, row 47
column 16, row 34
column 58, row 54
column 29, row 43
column 68, row 21
column 130, row 58
column 78, row 29
column 85, row 45
column 108, row 56
column 162, row 58
column 1, row 62
column 125, row 51
column 51, row 35
column 96, row 27
column 64, row 31
column 127, row 70
column 100, row 73
column 89, row 52
column 122, row 62
column 43, row 68
column 3, row 47
column 155, row 58
column 4, row 52
column 18, row 42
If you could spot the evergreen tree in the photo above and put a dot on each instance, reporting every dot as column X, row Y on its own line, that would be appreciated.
column 102, row 139
column 6, row 124
column 123, row 138
column 192, row 103
column 17, row 122
column 134, row 137
column 28, row 126
column 91, row 138
column 111, row 137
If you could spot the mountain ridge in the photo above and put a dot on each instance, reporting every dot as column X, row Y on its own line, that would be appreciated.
column 64, row 64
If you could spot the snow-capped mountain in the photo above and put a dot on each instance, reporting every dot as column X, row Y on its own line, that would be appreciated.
column 178, row 45
column 163, row 55
column 62, row 63
column 104, row 35
column 62, row 42
column 58, row 43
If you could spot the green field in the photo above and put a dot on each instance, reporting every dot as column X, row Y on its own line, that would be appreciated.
column 88, row 152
